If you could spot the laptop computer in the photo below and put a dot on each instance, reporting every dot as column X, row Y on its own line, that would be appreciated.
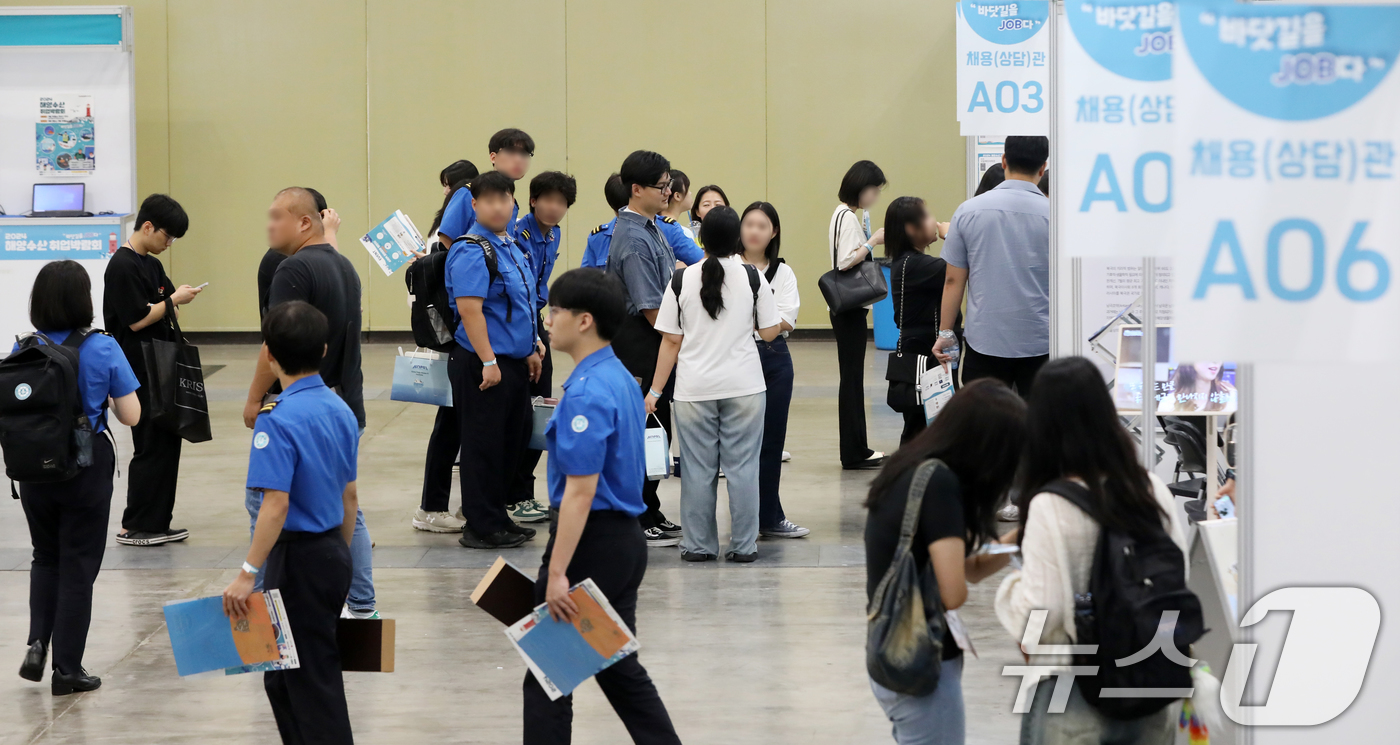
column 60, row 200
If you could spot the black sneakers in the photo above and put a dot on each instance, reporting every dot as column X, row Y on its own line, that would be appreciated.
column 34, row 659
column 499, row 539
column 79, row 682
column 669, row 529
column 145, row 538
column 737, row 557
column 696, row 557
column 521, row 530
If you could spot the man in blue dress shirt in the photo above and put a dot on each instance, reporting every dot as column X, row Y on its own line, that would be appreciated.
column 511, row 151
column 597, row 466
column 496, row 356
column 305, row 446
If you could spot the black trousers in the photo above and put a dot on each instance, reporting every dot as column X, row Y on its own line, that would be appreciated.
column 849, row 328
column 68, row 527
column 312, row 570
column 613, row 553
column 1015, row 372
column 543, row 387
column 778, row 376
column 153, row 473
column 636, row 346
column 444, row 444
column 495, row 431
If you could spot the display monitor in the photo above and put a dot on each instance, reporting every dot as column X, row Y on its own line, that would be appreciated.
column 59, row 197
column 1179, row 388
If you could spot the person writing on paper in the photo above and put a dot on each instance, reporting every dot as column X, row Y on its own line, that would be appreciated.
column 597, row 467
column 916, row 286
column 1198, row 386
column 303, row 460
column 978, row 438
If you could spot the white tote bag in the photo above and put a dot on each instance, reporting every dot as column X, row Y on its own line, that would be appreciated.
column 658, row 451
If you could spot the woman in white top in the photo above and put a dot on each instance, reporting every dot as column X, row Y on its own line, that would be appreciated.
column 707, row 316
column 849, row 242
column 761, row 233
column 1073, row 432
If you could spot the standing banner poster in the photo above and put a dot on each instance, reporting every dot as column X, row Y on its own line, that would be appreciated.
column 1285, row 140
column 1115, row 116
column 64, row 141
column 1003, row 67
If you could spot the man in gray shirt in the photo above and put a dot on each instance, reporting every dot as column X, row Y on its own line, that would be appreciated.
column 642, row 259
column 998, row 249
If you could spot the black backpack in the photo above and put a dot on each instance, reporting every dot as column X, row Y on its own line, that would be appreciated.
column 678, row 279
column 44, row 432
column 1135, row 580
column 433, row 316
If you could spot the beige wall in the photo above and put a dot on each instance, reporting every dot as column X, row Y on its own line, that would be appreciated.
column 368, row 100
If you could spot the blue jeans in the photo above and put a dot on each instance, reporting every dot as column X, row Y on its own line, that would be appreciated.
column 935, row 719
column 777, row 374
column 361, row 596
column 725, row 433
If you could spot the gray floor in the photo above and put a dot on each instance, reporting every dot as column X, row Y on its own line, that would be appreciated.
column 765, row 653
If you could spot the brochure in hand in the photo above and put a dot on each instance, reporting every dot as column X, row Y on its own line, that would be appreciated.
column 394, row 242
column 202, row 638
column 563, row 655
column 286, row 658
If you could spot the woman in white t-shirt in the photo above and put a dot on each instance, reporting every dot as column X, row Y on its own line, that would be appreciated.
column 760, row 232
column 708, row 315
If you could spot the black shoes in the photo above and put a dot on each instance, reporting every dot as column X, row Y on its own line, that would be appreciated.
column 499, row 539
column 79, row 682
column 737, row 557
column 521, row 530
column 875, row 460
column 34, row 659
column 669, row 529
column 145, row 538
column 697, row 556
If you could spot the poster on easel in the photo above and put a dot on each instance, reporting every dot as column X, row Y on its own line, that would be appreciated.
column 64, row 136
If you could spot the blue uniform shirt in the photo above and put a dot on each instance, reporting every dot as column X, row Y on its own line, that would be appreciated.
column 542, row 249
column 459, row 216
column 595, row 254
column 508, row 301
column 102, row 371
column 685, row 249
column 307, row 446
column 598, row 427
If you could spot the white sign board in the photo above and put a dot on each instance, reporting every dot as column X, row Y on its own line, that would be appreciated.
column 1286, row 133
column 1115, row 113
column 1003, row 67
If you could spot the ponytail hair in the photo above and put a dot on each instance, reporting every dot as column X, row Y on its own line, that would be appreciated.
column 720, row 234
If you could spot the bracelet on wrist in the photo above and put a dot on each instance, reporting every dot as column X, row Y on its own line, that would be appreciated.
column 653, row 393
column 488, row 363
column 249, row 568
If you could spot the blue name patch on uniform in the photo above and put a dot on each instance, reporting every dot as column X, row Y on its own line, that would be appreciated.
column 580, row 423
column 23, row 391
column 260, row 441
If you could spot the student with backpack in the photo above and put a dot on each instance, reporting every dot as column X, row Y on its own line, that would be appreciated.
column 708, row 315
column 1104, row 553
column 965, row 461
column 64, row 374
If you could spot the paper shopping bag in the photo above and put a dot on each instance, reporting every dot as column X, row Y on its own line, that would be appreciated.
column 544, row 409
column 420, row 377
column 658, row 452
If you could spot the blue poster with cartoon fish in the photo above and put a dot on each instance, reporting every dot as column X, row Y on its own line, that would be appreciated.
column 65, row 146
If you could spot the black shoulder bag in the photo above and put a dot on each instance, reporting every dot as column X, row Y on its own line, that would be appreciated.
column 853, row 288
column 902, row 370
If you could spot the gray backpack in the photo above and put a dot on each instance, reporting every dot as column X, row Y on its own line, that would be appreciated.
column 904, row 639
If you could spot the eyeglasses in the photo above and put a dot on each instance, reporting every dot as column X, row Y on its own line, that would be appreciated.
column 663, row 187
column 555, row 309
column 169, row 240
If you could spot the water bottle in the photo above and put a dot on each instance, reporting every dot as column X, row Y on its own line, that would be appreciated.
column 955, row 352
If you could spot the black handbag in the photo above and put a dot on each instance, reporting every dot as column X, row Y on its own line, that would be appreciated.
column 906, row 623
column 854, row 288
column 902, row 370
column 177, row 400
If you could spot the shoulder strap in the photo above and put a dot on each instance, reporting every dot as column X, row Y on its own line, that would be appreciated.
column 1076, row 493
column 912, row 504
column 835, row 236
column 267, row 409
column 677, row 279
column 77, row 337
column 489, row 256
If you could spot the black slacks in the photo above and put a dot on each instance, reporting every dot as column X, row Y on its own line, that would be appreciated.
column 153, row 472
column 849, row 329
column 444, row 445
column 312, row 570
column 1015, row 372
column 613, row 552
column 636, row 346
column 543, row 387
column 68, row 528
column 495, row 431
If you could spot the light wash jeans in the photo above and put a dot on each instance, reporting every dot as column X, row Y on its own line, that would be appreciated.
column 1082, row 724
column 361, row 596
column 935, row 719
column 725, row 433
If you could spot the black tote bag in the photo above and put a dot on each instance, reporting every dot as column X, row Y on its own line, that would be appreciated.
column 177, row 400
column 850, row 289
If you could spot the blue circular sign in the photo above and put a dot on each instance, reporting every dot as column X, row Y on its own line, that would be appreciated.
column 1131, row 38
column 1293, row 63
column 1006, row 22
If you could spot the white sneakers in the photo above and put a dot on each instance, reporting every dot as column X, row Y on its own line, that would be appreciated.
column 438, row 522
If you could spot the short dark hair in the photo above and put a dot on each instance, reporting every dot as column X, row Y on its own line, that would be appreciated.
column 700, row 194
column 511, row 139
column 643, row 167
column 462, row 170
column 1025, row 154
column 771, row 251
column 62, row 297
column 554, row 182
column 296, row 333
column 589, row 290
column 617, row 195
column 898, row 215
column 991, row 179
column 1045, row 183
column 862, row 175
column 492, row 182
column 164, row 214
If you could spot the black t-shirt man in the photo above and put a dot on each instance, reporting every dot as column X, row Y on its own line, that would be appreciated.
column 266, row 268
column 320, row 275
column 940, row 516
column 132, row 283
